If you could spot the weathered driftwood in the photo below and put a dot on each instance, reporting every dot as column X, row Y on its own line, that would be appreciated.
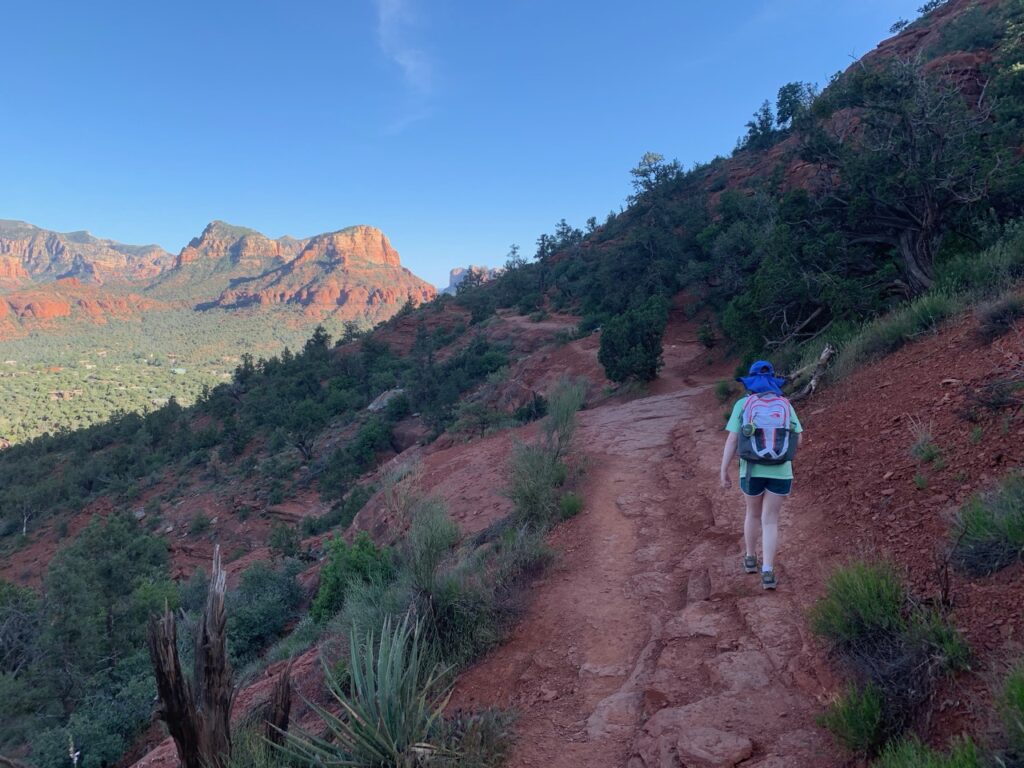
column 819, row 370
column 279, row 707
column 197, row 712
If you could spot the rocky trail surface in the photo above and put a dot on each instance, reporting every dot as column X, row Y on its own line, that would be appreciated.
column 646, row 645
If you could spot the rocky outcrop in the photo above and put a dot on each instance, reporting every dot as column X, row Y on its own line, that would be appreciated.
column 351, row 273
column 238, row 245
column 458, row 274
column 22, row 310
column 26, row 251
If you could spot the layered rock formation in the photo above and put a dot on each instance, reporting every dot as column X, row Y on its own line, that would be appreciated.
column 68, row 298
column 26, row 251
column 221, row 255
column 353, row 273
column 350, row 273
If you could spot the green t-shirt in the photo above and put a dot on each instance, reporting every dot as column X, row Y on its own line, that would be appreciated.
column 776, row 471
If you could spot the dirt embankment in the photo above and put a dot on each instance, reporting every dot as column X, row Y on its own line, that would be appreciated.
column 878, row 499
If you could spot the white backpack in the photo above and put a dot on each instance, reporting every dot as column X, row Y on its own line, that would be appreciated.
column 765, row 434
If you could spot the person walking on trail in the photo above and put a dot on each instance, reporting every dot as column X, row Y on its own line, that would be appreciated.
column 763, row 428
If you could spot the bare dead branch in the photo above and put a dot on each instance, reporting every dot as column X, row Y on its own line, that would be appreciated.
column 197, row 715
column 819, row 370
column 280, row 707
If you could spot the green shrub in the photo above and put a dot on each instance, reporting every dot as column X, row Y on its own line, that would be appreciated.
column 974, row 29
column 535, row 409
column 284, row 540
column 892, row 645
column 258, row 611
column 861, row 599
column 392, row 703
column 988, row 531
column 857, row 720
column 724, row 391
column 398, row 407
column 480, row 739
column 910, row 753
column 199, row 524
column 997, row 318
column 249, row 749
column 463, row 619
column 341, row 514
column 369, row 603
column 986, row 273
column 706, row 335
column 1012, row 706
column 521, row 553
column 534, row 478
column 362, row 561
column 888, row 333
column 923, row 448
column 631, row 342
column 302, row 637
column 538, row 470
column 432, row 535
column 571, row 504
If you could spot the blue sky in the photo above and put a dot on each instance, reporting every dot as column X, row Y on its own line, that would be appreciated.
column 456, row 127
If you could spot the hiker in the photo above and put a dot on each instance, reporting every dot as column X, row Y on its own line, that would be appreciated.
column 763, row 429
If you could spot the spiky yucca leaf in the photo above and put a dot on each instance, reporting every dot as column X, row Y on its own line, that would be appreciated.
column 396, row 696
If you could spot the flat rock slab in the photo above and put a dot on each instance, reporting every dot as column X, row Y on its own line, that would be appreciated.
column 776, row 623
column 740, row 671
column 616, row 714
column 703, row 746
column 702, row 619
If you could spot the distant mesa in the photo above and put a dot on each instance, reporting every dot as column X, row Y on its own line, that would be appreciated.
column 353, row 273
column 459, row 274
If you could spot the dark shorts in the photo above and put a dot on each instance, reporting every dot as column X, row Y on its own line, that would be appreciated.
column 756, row 486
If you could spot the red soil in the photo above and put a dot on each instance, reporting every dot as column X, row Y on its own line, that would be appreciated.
column 645, row 645
column 862, row 480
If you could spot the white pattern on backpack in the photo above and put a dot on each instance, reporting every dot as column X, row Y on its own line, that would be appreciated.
column 766, row 435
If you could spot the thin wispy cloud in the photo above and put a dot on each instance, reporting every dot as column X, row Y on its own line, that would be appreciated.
column 396, row 25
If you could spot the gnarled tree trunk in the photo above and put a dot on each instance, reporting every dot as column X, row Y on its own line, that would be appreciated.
column 198, row 712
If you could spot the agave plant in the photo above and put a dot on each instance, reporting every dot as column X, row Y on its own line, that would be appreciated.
column 395, row 699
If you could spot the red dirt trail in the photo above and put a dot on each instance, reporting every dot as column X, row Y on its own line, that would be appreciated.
column 646, row 645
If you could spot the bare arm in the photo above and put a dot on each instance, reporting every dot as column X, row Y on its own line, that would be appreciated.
column 727, row 456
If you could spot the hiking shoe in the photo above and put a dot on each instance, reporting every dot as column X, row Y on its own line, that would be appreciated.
column 750, row 563
column 768, row 580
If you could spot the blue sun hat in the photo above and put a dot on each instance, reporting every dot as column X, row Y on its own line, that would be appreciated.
column 762, row 379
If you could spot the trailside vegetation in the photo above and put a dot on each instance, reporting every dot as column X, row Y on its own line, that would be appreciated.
column 908, row 170
column 893, row 647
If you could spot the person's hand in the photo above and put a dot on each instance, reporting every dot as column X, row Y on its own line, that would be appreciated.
column 725, row 481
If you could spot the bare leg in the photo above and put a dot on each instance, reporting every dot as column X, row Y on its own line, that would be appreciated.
column 770, row 527
column 751, row 522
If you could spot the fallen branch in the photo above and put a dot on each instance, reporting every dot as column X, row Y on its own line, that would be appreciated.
column 819, row 370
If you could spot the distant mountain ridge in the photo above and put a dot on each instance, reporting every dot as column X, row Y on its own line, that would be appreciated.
column 350, row 274
column 30, row 252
